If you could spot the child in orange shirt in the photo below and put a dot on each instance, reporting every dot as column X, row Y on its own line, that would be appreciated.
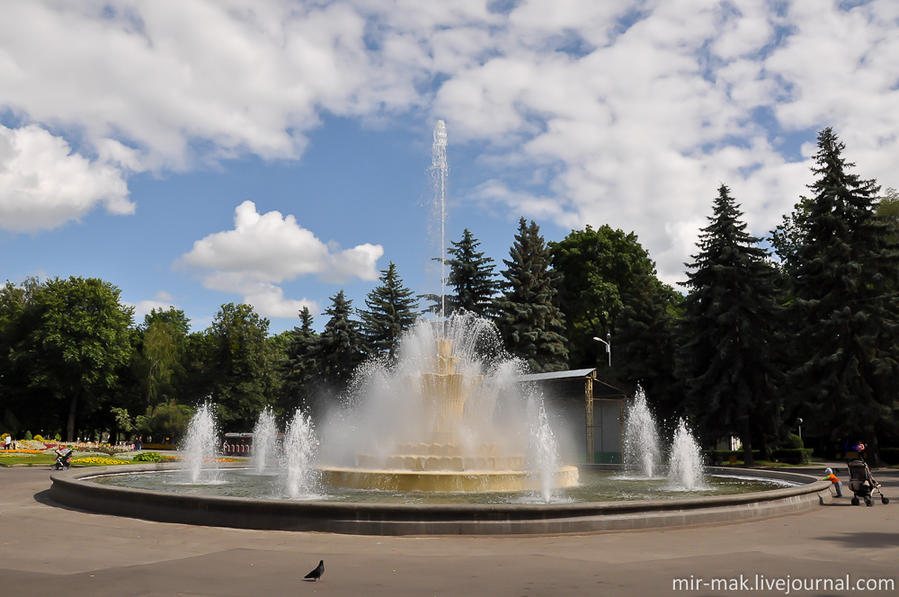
column 837, row 485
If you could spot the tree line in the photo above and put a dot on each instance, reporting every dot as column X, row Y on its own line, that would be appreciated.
column 800, row 325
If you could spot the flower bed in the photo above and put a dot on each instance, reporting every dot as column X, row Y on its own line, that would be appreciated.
column 97, row 461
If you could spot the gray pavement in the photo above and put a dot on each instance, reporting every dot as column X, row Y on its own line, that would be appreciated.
column 46, row 549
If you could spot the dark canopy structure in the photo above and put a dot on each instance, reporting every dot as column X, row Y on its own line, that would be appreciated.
column 603, row 406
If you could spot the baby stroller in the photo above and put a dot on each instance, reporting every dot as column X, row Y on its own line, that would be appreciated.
column 62, row 459
column 861, row 482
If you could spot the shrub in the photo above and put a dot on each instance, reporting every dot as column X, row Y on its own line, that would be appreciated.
column 148, row 457
column 794, row 442
column 28, row 437
column 57, row 437
column 38, row 438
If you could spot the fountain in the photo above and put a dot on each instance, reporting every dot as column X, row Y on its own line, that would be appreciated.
column 685, row 470
column 429, row 424
column 300, row 446
column 642, row 455
column 265, row 442
column 444, row 441
column 199, row 448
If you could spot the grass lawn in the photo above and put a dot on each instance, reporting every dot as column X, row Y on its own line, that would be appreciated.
column 27, row 459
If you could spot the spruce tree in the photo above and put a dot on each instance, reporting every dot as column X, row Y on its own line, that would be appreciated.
column 472, row 277
column 725, row 359
column 390, row 312
column 845, row 307
column 529, row 321
column 339, row 349
column 300, row 365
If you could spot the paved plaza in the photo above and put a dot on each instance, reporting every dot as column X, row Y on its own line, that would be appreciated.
column 46, row 549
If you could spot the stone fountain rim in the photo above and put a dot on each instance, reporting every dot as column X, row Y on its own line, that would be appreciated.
column 75, row 488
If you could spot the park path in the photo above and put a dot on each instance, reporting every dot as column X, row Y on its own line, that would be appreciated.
column 48, row 549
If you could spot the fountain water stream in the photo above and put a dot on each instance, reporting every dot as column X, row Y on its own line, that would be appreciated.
column 300, row 447
column 199, row 446
column 642, row 452
column 685, row 470
column 265, row 442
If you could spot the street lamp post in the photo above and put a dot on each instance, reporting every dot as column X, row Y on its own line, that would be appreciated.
column 608, row 343
column 799, row 425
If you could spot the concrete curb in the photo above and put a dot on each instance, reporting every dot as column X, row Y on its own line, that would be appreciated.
column 75, row 489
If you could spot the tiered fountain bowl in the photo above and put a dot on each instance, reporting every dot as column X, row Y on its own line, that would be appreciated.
column 437, row 461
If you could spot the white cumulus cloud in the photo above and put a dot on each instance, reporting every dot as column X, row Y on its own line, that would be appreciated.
column 624, row 113
column 44, row 184
column 264, row 250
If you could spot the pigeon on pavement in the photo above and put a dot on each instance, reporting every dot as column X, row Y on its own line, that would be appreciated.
column 317, row 573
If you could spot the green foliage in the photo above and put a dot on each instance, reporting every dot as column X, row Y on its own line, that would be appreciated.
column 299, row 365
column 725, row 359
column 529, row 321
column 161, row 355
column 471, row 277
column 148, row 457
column 28, row 437
column 339, row 349
column 390, row 311
column 168, row 419
column 845, row 304
column 793, row 442
column 241, row 364
column 608, row 285
column 77, row 341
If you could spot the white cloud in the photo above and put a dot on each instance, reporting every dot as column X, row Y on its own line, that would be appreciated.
column 633, row 111
column 162, row 301
column 44, row 184
column 263, row 250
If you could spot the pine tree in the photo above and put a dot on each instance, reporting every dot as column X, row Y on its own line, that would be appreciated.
column 339, row 349
column 472, row 277
column 390, row 312
column 725, row 359
column 300, row 365
column 845, row 309
column 530, row 323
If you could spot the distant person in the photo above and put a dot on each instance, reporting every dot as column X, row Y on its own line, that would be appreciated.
column 837, row 485
column 138, row 443
column 7, row 442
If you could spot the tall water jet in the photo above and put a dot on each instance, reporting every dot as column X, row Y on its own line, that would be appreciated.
column 439, row 170
column 685, row 470
column 265, row 442
column 642, row 451
column 300, row 447
column 544, row 450
column 199, row 446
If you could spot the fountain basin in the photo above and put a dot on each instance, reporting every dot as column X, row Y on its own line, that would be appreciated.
column 427, row 480
column 76, row 489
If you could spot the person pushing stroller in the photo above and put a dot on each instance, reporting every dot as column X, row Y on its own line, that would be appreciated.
column 63, row 458
column 861, row 481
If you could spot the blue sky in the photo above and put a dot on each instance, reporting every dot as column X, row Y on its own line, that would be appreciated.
column 202, row 152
